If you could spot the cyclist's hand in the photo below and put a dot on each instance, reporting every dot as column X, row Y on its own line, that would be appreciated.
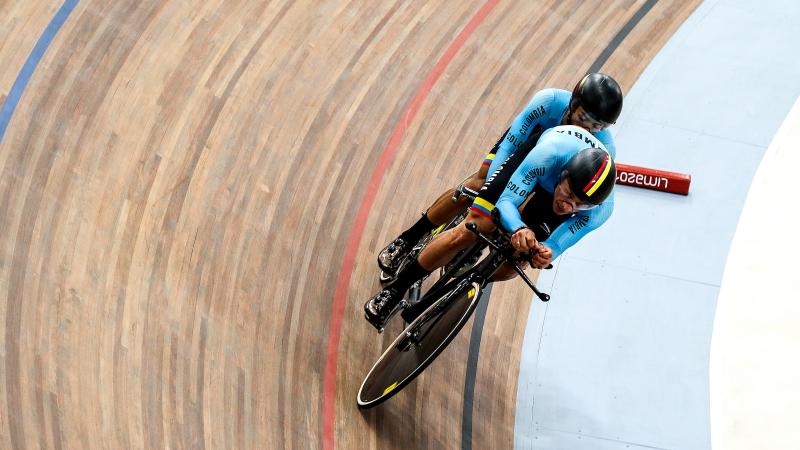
column 524, row 240
column 542, row 256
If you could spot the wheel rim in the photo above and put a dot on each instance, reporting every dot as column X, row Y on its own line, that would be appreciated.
column 401, row 363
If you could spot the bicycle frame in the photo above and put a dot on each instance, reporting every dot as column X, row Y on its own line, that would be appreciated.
column 452, row 303
column 501, row 252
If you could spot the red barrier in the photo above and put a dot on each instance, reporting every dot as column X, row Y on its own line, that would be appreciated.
column 657, row 180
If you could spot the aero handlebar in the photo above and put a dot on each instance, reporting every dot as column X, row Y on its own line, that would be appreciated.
column 508, row 252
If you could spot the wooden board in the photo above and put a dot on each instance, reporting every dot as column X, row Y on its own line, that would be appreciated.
column 178, row 184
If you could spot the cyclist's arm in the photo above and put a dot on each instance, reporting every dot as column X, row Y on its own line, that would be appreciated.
column 539, row 162
column 524, row 126
column 578, row 226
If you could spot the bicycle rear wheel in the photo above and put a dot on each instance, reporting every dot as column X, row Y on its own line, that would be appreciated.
column 419, row 344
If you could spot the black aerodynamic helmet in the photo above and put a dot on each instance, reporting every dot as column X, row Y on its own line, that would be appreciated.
column 600, row 96
column 591, row 173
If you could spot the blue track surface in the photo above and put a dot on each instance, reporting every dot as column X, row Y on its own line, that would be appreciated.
column 619, row 358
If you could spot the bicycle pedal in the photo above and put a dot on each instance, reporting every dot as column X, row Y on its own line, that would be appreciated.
column 385, row 277
column 414, row 293
column 409, row 315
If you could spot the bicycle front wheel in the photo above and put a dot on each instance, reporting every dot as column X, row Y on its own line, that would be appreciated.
column 419, row 344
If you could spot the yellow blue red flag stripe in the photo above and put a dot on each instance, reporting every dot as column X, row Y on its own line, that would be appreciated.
column 483, row 207
column 599, row 178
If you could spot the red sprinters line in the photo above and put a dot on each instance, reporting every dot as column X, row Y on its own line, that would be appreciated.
column 346, row 270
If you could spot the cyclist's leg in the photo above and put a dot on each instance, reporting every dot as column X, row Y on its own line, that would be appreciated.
column 440, row 212
column 446, row 245
column 444, row 209
column 443, row 248
column 440, row 250
column 380, row 305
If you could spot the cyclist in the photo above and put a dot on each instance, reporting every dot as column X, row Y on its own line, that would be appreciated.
column 571, row 175
column 594, row 104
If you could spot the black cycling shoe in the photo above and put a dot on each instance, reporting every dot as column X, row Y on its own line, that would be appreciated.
column 390, row 257
column 385, row 278
column 380, row 307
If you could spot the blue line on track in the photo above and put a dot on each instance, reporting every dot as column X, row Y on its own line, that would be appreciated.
column 10, row 104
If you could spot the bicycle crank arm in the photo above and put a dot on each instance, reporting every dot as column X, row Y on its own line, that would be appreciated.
column 414, row 293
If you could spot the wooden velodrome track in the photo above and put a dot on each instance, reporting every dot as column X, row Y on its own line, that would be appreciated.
column 181, row 182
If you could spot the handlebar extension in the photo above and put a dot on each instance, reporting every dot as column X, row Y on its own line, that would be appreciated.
column 510, row 256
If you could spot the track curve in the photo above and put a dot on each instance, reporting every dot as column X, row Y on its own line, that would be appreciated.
column 179, row 186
